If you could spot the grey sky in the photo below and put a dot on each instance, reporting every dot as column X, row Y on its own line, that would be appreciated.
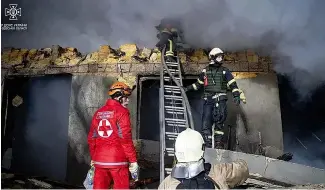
column 294, row 28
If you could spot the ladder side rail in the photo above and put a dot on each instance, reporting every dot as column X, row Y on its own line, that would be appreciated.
column 181, row 83
column 162, row 122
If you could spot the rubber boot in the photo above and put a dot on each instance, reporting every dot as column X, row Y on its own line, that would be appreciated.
column 171, row 59
column 208, row 142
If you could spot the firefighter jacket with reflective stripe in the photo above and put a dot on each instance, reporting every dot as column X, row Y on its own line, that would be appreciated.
column 225, row 175
column 167, row 38
column 215, row 80
column 110, row 138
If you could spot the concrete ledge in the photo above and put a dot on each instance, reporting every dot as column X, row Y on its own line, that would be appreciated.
column 285, row 172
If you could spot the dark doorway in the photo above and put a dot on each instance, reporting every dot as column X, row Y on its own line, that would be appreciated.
column 149, row 106
column 36, row 124
column 303, row 125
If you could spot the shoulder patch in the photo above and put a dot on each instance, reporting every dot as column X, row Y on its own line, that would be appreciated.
column 105, row 115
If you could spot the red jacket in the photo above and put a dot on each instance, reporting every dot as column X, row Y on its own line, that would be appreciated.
column 110, row 139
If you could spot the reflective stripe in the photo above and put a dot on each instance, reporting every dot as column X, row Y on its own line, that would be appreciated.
column 230, row 82
column 194, row 86
column 219, row 132
column 199, row 81
column 170, row 51
column 111, row 163
column 166, row 31
column 235, row 90
column 218, row 95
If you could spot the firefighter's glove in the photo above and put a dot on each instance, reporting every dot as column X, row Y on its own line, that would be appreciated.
column 134, row 170
column 237, row 100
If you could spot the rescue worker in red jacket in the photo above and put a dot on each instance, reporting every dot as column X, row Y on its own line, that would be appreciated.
column 110, row 141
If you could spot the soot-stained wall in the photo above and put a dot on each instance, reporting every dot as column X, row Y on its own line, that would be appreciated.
column 88, row 93
column 40, row 124
column 262, row 113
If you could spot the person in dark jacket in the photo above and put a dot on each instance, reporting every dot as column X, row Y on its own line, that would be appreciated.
column 168, row 34
column 216, row 80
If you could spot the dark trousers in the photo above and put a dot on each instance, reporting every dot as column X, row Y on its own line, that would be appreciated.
column 213, row 113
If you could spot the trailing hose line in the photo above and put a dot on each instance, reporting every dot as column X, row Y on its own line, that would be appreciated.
column 183, row 93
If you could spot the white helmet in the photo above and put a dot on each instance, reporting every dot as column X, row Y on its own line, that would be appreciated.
column 216, row 54
column 189, row 146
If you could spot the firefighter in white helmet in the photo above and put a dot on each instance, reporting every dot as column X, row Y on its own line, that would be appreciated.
column 191, row 171
column 216, row 80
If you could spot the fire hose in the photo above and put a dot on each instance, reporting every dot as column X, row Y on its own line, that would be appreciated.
column 183, row 93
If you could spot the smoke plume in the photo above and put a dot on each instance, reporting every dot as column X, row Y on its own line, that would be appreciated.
column 293, row 31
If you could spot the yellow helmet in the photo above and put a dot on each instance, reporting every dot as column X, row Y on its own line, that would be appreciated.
column 119, row 89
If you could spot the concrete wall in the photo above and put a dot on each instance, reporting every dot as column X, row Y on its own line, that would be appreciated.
column 261, row 113
column 277, row 170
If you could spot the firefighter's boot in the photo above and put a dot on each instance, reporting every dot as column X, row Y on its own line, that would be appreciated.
column 171, row 59
column 207, row 140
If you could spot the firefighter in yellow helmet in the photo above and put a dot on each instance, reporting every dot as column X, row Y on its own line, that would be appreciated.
column 110, row 141
column 191, row 171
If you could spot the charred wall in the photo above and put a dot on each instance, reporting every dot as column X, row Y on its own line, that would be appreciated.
column 35, row 124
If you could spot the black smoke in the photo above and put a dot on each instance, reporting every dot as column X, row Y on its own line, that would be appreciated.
column 291, row 29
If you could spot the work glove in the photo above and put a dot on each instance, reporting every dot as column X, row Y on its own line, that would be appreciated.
column 134, row 170
column 237, row 100
column 242, row 96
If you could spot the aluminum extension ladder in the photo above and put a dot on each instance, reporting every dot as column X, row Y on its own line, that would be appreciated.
column 173, row 114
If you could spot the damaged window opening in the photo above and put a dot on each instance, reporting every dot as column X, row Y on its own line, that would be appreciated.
column 35, row 113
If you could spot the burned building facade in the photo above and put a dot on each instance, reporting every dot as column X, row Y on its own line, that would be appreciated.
column 49, row 96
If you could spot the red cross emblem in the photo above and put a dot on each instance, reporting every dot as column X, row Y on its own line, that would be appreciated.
column 104, row 128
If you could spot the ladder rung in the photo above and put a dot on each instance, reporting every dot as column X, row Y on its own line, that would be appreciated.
column 173, row 73
column 171, row 133
column 168, row 169
column 172, row 120
column 171, row 70
column 173, row 91
column 170, row 86
column 174, row 103
column 170, row 149
column 170, row 154
column 174, row 107
column 168, row 78
column 173, row 97
column 176, row 125
column 175, row 112
column 171, row 63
